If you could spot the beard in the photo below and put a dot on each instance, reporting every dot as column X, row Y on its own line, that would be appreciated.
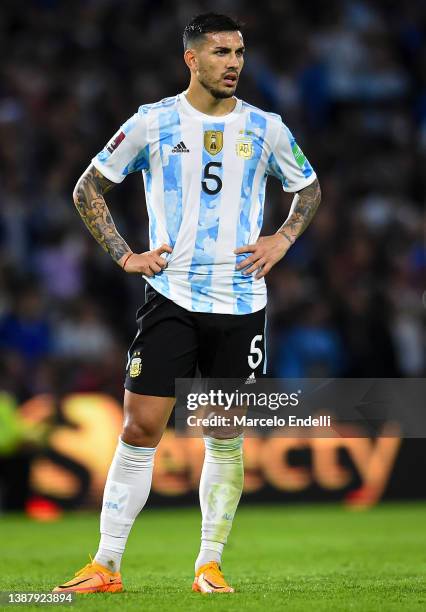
column 219, row 94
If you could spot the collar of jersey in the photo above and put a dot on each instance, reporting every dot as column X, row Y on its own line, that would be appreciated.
column 212, row 118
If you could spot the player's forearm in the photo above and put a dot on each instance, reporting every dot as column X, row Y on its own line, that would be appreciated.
column 89, row 200
column 303, row 209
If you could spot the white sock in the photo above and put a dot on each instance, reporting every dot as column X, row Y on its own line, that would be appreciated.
column 126, row 491
column 221, row 486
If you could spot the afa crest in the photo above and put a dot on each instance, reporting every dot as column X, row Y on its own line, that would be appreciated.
column 135, row 367
column 245, row 148
column 213, row 141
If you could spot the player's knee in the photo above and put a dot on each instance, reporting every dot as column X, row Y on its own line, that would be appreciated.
column 140, row 434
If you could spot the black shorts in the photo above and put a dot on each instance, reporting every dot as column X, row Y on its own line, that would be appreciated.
column 172, row 342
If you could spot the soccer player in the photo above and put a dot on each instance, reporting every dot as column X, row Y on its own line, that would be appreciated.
column 205, row 156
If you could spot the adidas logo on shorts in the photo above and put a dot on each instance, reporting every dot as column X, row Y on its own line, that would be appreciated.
column 251, row 379
column 180, row 148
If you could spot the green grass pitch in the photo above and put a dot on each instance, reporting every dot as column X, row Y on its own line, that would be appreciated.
column 295, row 557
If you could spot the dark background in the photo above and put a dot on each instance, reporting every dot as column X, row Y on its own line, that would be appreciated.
column 349, row 80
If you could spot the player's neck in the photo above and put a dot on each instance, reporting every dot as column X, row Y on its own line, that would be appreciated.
column 205, row 103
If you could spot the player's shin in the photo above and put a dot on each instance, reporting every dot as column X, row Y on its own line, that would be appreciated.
column 221, row 486
column 126, row 491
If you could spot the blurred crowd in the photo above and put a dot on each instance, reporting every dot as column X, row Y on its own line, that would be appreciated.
column 348, row 77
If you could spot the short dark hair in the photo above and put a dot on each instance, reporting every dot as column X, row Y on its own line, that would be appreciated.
column 205, row 23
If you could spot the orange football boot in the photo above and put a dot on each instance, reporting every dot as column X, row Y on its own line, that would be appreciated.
column 209, row 579
column 92, row 578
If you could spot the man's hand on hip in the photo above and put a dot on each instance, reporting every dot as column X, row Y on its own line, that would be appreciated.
column 148, row 263
column 267, row 251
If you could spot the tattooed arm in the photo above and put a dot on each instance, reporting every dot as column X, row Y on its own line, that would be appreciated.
column 268, row 250
column 89, row 200
column 303, row 209
column 90, row 203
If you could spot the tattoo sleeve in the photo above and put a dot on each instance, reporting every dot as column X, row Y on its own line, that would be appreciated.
column 89, row 200
column 303, row 209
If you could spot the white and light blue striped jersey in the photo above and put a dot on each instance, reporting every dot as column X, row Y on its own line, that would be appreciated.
column 205, row 180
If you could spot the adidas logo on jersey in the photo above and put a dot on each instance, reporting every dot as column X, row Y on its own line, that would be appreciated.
column 180, row 148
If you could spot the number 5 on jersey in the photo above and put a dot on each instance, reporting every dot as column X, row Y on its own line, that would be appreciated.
column 212, row 183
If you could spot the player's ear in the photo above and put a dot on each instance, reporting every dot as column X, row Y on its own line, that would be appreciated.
column 190, row 59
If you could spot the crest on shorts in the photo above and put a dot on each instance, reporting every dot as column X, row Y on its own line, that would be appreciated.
column 244, row 147
column 135, row 367
column 213, row 141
